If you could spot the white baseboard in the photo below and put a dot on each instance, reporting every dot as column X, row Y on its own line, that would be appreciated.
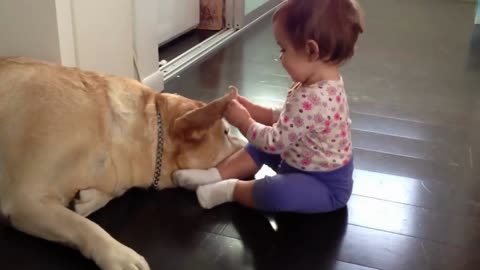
column 155, row 81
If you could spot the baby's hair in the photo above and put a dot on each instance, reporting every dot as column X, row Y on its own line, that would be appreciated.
column 333, row 24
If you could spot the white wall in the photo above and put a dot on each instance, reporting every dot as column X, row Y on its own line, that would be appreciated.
column 66, row 33
column 29, row 28
column 146, row 34
column 90, row 34
column 104, row 35
column 477, row 16
column 175, row 17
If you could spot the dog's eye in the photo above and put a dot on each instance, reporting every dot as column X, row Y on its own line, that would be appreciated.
column 226, row 131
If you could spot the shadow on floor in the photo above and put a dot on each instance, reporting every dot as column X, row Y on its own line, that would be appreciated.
column 291, row 241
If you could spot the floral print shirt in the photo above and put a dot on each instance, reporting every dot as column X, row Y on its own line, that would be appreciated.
column 312, row 132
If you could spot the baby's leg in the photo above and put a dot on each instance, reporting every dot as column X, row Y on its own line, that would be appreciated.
column 298, row 192
column 241, row 165
column 235, row 166
column 295, row 192
column 191, row 179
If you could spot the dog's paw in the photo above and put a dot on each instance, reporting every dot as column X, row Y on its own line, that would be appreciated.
column 89, row 201
column 120, row 257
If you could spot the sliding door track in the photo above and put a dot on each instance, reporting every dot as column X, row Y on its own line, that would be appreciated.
column 195, row 54
column 234, row 27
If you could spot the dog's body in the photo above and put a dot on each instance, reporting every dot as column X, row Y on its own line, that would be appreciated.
column 69, row 133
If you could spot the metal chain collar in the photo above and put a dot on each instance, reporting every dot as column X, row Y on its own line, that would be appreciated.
column 159, row 158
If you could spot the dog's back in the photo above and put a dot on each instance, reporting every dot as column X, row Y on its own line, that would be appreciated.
column 37, row 101
column 59, row 126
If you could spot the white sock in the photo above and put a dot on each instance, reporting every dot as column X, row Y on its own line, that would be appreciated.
column 192, row 179
column 215, row 194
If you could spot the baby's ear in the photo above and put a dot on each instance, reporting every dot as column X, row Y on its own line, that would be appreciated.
column 312, row 50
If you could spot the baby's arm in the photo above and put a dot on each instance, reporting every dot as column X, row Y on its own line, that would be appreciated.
column 252, row 120
column 264, row 115
column 291, row 126
column 237, row 115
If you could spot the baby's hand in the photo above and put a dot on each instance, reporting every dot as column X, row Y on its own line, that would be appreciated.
column 236, row 114
column 246, row 103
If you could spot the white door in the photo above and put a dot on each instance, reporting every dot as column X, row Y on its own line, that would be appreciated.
column 176, row 17
column 156, row 22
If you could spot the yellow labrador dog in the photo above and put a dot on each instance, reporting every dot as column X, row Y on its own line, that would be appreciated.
column 75, row 138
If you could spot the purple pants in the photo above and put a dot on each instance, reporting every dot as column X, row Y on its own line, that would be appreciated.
column 294, row 190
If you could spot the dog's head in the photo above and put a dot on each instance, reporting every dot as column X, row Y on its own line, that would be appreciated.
column 197, row 135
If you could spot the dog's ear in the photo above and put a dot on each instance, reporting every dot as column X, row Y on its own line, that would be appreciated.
column 193, row 125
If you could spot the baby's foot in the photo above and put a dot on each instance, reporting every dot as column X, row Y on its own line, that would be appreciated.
column 215, row 194
column 191, row 179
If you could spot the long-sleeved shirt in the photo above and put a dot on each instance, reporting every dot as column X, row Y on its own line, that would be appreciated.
column 312, row 131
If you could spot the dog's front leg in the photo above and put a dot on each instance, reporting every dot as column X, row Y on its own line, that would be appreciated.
column 90, row 200
column 52, row 221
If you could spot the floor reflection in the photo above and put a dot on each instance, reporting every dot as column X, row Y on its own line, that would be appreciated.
column 294, row 241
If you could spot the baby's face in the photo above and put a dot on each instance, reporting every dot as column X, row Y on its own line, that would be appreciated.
column 295, row 61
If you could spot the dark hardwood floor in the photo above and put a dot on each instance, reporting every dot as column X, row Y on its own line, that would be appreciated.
column 182, row 44
column 414, row 90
